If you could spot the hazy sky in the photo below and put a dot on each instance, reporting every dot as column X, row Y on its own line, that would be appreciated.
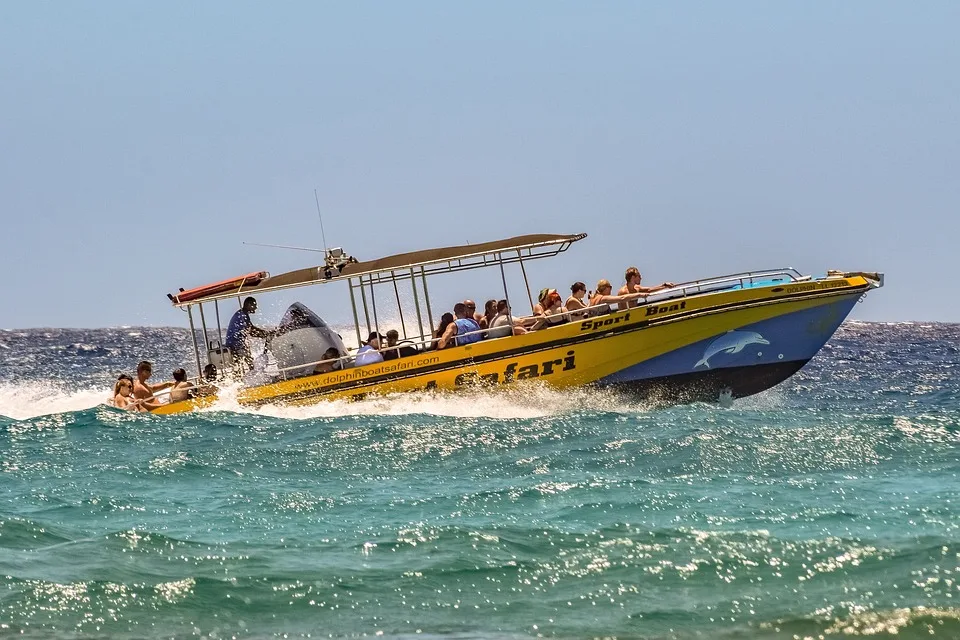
column 142, row 143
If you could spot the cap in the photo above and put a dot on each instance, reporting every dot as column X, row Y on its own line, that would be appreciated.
column 543, row 294
column 374, row 334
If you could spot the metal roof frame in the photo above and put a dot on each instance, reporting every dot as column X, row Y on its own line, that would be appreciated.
column 425, row 263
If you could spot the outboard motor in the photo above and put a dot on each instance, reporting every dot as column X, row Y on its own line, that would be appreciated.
column 302, row 339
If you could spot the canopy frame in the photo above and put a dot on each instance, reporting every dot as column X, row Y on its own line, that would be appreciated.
column 390, row 270
column 429, row 262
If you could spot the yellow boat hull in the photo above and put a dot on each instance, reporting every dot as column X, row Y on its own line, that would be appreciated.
column 688, row 348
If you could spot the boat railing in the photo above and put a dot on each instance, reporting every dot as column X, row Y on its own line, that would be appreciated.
column 720, row 283
column 683, row 289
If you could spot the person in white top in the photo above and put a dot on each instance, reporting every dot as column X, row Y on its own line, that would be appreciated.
column 500, row 326
column 369, row 353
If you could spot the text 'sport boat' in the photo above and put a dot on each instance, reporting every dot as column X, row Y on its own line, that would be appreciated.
column 726, row 336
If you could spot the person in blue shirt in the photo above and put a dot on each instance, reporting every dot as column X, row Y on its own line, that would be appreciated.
column 241, row 328
column 463, row 330
column 369, row 353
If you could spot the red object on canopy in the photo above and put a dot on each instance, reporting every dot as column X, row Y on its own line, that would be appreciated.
column 224, row 286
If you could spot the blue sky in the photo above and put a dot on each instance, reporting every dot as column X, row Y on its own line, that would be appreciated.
column 143, row 143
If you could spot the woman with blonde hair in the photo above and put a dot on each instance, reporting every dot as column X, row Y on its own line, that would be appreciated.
column 122, row 394
column 602, row 296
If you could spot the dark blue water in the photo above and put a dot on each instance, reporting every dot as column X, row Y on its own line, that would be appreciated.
column 827, row 507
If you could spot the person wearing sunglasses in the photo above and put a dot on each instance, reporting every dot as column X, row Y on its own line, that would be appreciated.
column 576, row 302
column 123, row 394
column 632, row 285
column 602, row 296
column 471, row 308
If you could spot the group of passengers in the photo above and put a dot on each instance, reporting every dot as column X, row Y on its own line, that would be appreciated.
column 140, row 395
column 466, row 325
column 583, row 303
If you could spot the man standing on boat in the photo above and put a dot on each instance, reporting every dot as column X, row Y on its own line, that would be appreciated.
column 633, row 278
column 241, row 328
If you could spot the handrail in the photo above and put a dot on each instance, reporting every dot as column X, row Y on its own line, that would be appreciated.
column 721, row 282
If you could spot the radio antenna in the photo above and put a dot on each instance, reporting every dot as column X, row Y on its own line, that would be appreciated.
column 281, row 246
column 322, row 234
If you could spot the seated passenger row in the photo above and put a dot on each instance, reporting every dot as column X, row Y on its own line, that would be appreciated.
column 550, row 305
column 466, row 326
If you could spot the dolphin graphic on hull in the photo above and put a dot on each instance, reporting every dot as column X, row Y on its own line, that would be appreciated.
column 730, row 342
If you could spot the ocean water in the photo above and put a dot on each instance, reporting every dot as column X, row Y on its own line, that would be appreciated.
column 827, row 507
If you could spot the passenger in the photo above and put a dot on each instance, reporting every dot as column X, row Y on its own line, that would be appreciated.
column 472, row 311
column 241, row 328
column 369, row 353
column 144, row 391
column 182, row 388
column 551, row 309
column 602, row 296
column 121, row 394
column 445, row 321
column 500, row 326
column 549, row 303
column 553, row 305
column 633, row 278
column 463, row 330
column 539, row 308
column 396, row 349
column 575, row 301
column 602, row 292
column 489, row 311
column 210, row 372
column 333, row 363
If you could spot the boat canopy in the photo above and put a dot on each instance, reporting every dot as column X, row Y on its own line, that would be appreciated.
column 340, row 266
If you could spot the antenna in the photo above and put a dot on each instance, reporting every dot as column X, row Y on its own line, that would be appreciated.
column 281, row 246
column 322, row 234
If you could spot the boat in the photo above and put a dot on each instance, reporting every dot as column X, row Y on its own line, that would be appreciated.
column 717, row 338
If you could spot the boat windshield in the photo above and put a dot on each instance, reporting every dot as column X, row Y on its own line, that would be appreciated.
column 302, row 338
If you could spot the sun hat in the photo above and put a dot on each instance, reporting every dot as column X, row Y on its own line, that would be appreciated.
column 544, row 293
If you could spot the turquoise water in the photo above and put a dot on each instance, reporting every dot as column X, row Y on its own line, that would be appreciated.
column 827, row 507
